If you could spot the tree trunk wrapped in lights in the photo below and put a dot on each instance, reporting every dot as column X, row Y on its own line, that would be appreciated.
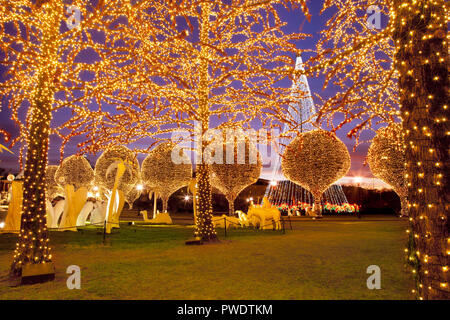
column 33, row 246
column 422, row 60
column 42, row 48
column 204, row 227
column 392, row 74
column 386, row 158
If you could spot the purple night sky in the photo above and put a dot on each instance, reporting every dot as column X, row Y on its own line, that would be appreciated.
column 296, row 22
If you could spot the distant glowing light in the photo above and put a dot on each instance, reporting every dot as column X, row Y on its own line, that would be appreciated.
column 139, row 187
column 273, row 183
column 2, row 225
column 186, row 197
column 357, row 179
column 95, row 188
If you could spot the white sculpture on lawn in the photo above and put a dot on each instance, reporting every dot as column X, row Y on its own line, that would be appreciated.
column 98, row 214
column 75, row 175
column 84, row 213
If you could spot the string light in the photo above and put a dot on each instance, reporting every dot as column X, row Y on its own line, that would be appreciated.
column 229, row 73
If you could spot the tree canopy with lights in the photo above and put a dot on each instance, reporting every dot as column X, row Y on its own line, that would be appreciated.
column 55, row 56
column 207, row 64
column 391, row 74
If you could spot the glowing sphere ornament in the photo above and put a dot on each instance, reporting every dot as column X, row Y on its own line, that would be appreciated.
column 315, row 160
column 74, row 170
column 164, row 175
column 53, row 188
column 386, row 159
column 106, row 169
column 235, row 171
column 75, row 175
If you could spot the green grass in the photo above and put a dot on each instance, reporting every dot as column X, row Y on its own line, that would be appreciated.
column 317, row 260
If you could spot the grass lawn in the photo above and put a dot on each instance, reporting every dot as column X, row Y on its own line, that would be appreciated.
column 317, row 260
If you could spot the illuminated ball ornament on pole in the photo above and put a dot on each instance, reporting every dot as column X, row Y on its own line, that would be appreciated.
column 386, row 158
column 75, row 175
column 106, row 169
column 240, row 167
column 315, row 160
column 74, row 170
column 53, row 188
column 166, row 171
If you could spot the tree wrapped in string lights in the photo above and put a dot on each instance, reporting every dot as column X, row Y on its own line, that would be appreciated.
column 203, row 61
column 386, row 159
column 315, row 160
column 239, row 166
column 391, row 74
column 43, row 46
column 162, row 174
